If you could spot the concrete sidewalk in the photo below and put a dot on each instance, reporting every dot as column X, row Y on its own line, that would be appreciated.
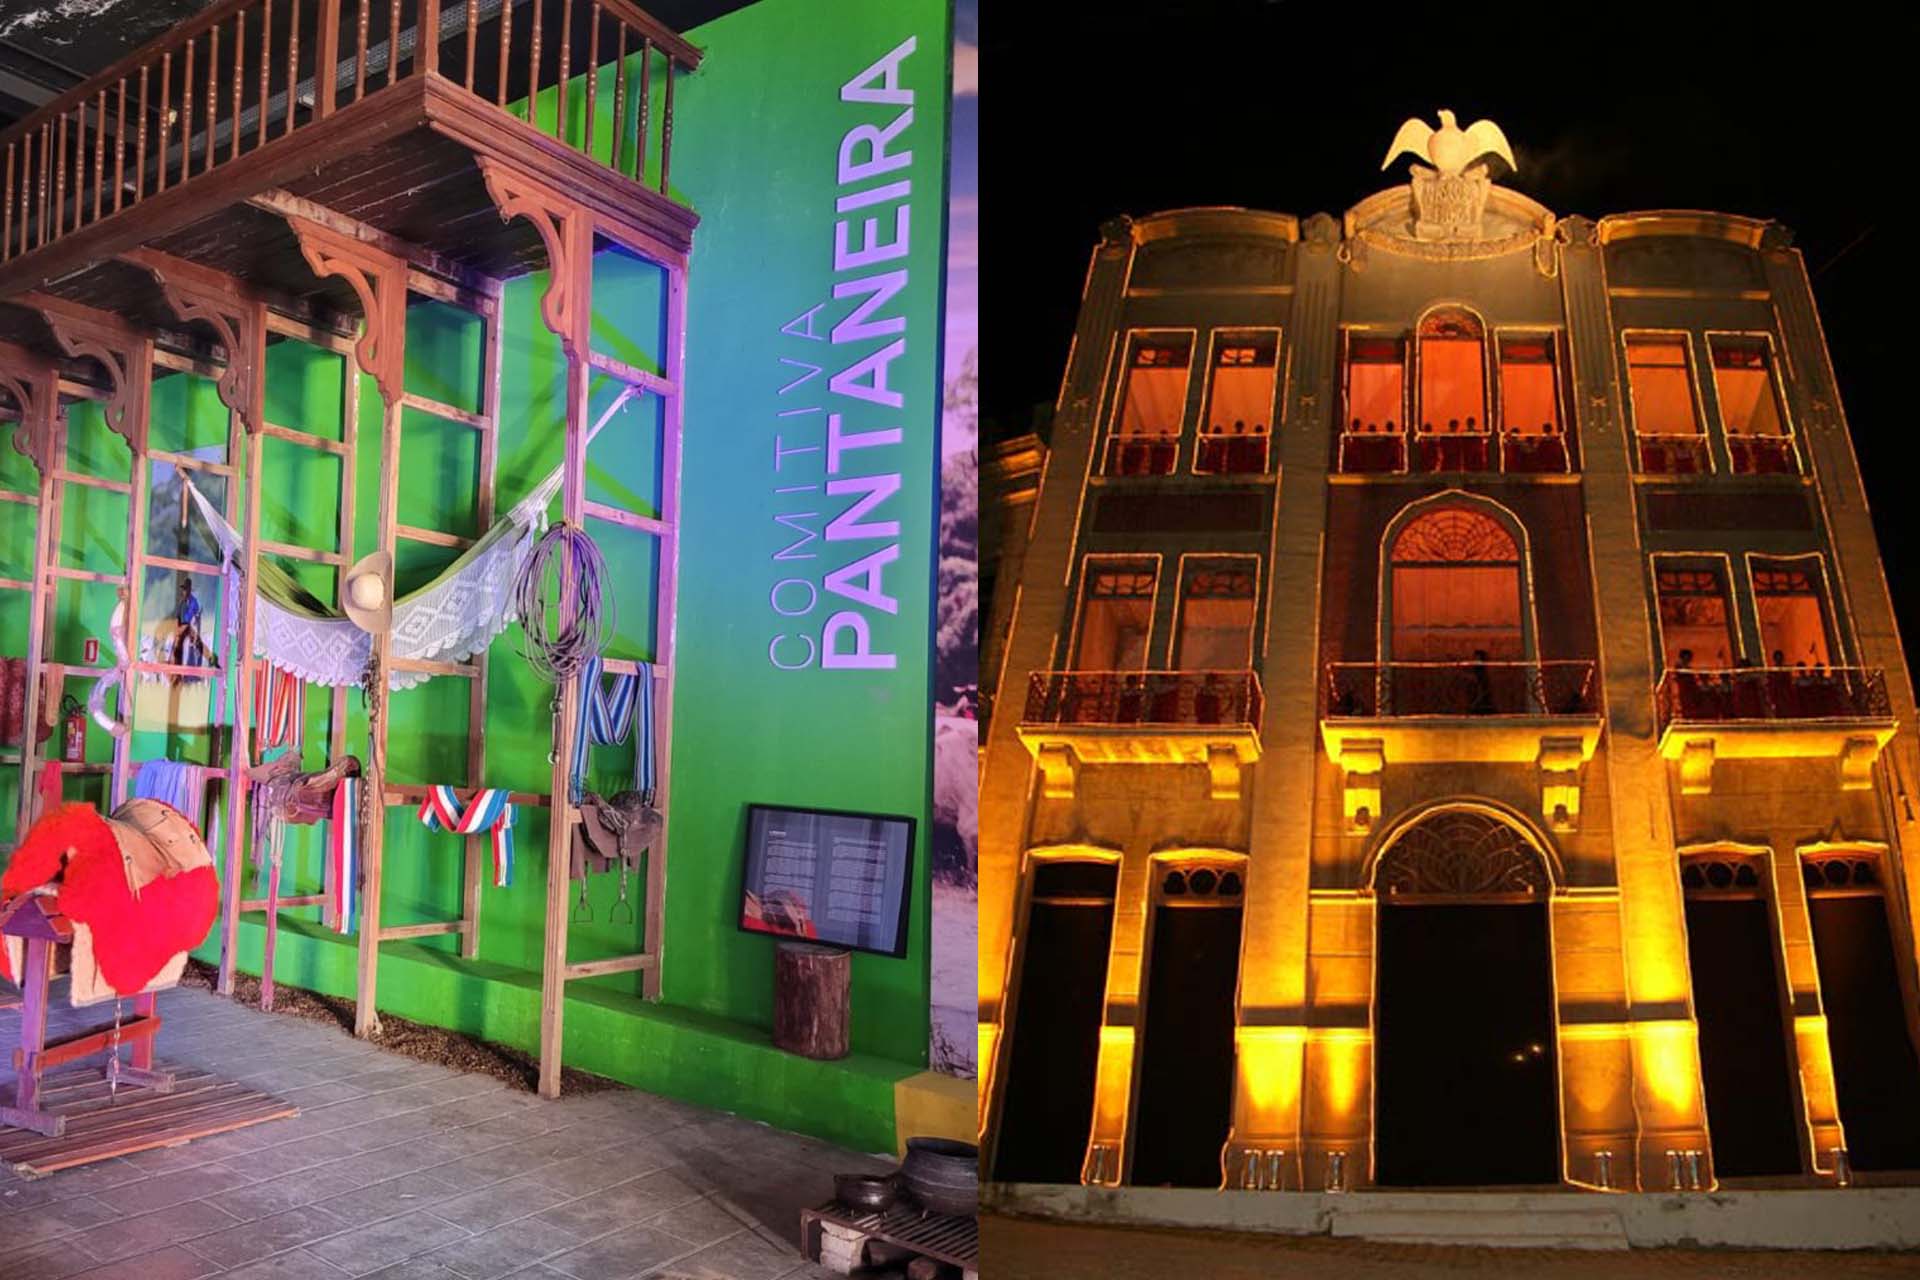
column 408, row 1171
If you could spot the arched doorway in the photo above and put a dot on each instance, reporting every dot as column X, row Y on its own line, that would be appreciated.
column 1466, row 1082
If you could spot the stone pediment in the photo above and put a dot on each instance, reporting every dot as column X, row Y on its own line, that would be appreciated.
column 1445, row 218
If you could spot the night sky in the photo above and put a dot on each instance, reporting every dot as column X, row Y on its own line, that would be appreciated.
column 1290, row 107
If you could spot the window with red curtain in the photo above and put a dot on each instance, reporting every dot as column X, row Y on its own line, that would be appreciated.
column 1743, row 375
column 1696, row 631
column 1661, row 386
column 1116, row 617
column 1240, row 400
column 1453, row 375
column 1529, row 391
column 1376, row 383
column 1216, row 616
column 1456, row 593
column 1793, row 614
column 1155, row 399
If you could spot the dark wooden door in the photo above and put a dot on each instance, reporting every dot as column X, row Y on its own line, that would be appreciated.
column 1744, row 1056
column 1185, row 1106
column 1875, row 1070
column 1466, row 1088
column 1053, row 1049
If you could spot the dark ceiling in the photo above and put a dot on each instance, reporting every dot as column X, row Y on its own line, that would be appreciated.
column 48, row 46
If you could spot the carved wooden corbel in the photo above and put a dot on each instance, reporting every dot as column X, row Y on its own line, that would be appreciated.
column 32, row 384
column 379, row 280
column 567, row 232
column 122, row 351
column 197, row 293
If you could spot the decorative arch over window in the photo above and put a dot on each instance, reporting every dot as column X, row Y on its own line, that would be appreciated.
column 1462, row 850
column 1455, row 587
column 1724, row 871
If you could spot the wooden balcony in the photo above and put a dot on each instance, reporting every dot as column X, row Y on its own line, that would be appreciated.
column 1143, row 717
column 378, row 120
column 1782, row 713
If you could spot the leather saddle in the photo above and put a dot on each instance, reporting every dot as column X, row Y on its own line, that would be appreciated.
column 296, row 797
column 611, row 831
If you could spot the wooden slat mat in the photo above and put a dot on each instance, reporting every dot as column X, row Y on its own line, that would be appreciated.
column 101, row 1126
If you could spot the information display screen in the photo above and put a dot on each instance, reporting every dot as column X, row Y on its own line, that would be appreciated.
column 838, row 879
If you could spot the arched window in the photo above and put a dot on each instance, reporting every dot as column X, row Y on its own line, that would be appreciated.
column 1453, row 373
column 1454, row 590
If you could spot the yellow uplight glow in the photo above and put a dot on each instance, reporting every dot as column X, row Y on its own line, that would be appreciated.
column 1669, row 1067
column 1113, row 1082
column 1270, row 1073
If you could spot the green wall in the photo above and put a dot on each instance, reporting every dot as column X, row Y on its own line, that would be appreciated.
column 758, row 130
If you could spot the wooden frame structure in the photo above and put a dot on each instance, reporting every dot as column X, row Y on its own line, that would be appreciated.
column 167, row 214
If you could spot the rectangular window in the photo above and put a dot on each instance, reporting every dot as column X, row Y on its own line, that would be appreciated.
column 1532, row 438
column 1793, row 614
column 1216, row 616
column 1233, row 437
column 1153, row 403
column 1757, row 438
column 1696, row 631
column 1376, row 384
column 1664, row 418
column 1116, row 617
column 1453, row 386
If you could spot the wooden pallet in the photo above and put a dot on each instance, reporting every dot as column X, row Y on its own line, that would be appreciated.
column 101, row 1125
column 947, row 1242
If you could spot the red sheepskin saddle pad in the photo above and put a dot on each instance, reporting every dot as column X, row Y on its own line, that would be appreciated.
column 139, row 888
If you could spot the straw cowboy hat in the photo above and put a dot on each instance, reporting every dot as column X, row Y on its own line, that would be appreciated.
column 368, row 594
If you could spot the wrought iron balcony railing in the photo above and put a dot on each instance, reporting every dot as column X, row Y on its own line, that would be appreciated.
column 1380, row 690
column 1383, row 451
column 1773, row 695
column 1674, row 455
column 245, row 75
column 1170, row 699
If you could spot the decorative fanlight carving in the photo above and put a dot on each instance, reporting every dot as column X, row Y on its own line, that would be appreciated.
column 1205, row 881
column 1455, row 535
column 1461, row 852
column 1843, row 870
column 1705, row 874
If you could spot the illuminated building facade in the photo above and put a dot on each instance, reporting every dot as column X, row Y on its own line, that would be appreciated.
column 1450, row 727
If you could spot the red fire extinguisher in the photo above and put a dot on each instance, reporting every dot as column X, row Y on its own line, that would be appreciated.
column 74, row 749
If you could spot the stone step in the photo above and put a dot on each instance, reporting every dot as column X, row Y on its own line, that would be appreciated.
column 1498, row 1228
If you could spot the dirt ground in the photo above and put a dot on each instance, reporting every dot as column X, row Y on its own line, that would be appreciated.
column 410, row 1039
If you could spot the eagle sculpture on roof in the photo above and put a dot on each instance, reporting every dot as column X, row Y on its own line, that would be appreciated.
column 1450, row 149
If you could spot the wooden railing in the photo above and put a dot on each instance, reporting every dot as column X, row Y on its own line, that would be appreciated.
column 246, row 73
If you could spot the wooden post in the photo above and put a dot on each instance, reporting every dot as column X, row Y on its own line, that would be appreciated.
column 812, row 989
column 489, row 443
column 33, row 1022
column 576, row 260
column 326, row 60
column 667, row 592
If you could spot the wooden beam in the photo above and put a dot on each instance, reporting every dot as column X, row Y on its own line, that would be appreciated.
column 305, row 439
column 615, row 964
column 430, row 274
column 433, row 929
column 431, row 537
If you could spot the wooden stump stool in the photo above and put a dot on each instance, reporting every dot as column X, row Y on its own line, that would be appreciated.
column 812, row 989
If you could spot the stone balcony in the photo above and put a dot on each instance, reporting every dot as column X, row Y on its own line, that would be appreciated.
column 1793, row 713
column 1209, row 718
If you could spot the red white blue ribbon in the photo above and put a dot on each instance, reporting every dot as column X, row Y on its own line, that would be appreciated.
column 279, row 704
column 343, row 856
column 488, row 811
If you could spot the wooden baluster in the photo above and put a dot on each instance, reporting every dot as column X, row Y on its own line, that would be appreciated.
column 213, row 92
column 186, row 116
column 6, row 215
column 619, row 94
column 120, row 148
column 533, row 77
column 646, row 105
column 266, row 67
column 473, row 37
column 360, row 59
column 506, row 43
column 666, row 126
column 326, row 61
column 140, row 143
column 239, row 82
column 60, row 179
column 593, row 71
column 99, row 149
column 293, row 68
column 393, row 43
column 26, row 189
column 426, row 39
column 566, row 65
column 44, row 195
column 166, row 114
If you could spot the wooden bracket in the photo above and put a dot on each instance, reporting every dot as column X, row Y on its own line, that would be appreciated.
column 32, row 383
column 379, row 279
column 567, row 231
column 197, row 293
column 125, row 353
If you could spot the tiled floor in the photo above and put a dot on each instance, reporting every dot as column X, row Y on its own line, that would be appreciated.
column 407, row 1171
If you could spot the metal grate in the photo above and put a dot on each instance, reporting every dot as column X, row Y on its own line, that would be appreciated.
column 946, row 1237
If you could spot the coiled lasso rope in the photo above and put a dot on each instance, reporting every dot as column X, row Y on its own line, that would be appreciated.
column 583, row 609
